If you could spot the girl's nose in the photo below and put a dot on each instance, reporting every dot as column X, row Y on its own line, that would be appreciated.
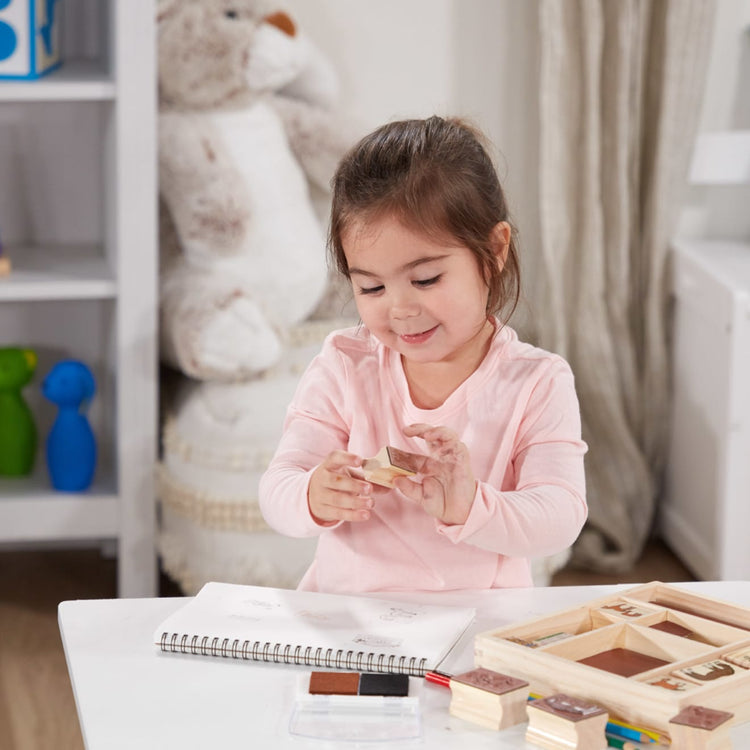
column 404, row 306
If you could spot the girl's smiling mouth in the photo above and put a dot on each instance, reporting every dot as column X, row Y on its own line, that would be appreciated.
column 417, row 338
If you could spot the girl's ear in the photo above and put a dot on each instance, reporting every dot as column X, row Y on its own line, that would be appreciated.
column 500, row 242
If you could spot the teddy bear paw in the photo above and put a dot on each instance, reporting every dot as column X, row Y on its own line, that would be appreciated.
column 236, row 342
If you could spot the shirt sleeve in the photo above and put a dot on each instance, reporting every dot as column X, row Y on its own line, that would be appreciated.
column 546, row 509
column 313, row 427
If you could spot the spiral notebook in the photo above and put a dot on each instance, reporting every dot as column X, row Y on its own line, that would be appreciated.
column 313, row 629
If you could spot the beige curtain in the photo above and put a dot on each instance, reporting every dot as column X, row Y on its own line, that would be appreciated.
column 621, row 83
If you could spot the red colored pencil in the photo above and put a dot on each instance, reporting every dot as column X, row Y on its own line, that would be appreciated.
column 438, row 678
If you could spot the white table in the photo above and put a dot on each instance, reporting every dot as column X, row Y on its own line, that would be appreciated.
column 130, row 695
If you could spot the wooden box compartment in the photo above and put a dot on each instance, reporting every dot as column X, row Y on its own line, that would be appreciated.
column 545, row 631
column 679, row 600
column 625, row 622
column 695, row 628
column 624, row 639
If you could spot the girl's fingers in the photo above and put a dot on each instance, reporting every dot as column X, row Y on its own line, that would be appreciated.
column 353, row 516
column 347, row 485
column 346, row 507
column 338, row 477
column 437, row 438
column 417, row 430
column 336, row 495
column 337, row 460
column 408, row 487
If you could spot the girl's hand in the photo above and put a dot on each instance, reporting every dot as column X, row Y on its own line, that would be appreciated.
column 445, row 487
column 334, row 495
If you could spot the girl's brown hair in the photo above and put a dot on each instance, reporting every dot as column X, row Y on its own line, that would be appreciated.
column 435, row 176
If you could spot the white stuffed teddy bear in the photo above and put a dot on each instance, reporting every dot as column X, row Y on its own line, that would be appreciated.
column 245, row 120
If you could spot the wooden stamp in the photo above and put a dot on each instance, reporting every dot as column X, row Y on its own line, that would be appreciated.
column 489, row 698
column 741, row 657
column 700, row 728
column 627, row 610
column 562, row 721
column 673, row 683
column 391, row 463
column 709, row 671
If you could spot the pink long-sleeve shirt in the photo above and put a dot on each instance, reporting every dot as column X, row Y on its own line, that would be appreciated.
column 518, row 415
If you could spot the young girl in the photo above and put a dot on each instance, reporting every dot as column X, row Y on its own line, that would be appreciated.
column 420, row 227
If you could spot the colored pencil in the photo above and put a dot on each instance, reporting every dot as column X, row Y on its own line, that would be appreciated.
column 627, row 732
column 438, row 678
column 620, row 742
column 649, row 735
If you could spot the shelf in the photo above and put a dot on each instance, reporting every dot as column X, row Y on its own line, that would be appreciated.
column 30, row 511
column 727, row 261
column 80, row 143
column 56, row 273
column 75, row 80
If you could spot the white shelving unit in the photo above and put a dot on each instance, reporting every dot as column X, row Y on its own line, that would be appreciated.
column 706, row 511
column 78, row 220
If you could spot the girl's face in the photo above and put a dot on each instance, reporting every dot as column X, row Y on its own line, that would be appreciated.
column 423, row 298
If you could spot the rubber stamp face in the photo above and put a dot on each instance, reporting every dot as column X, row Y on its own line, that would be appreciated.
column 493, row 682
column 701, row 717
column 568, row 707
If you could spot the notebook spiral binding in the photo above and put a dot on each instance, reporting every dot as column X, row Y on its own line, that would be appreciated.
column 279, row 653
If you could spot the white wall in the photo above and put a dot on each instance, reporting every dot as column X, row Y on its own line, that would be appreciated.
column 395, row 59
column 476, row 59
column 720, row 212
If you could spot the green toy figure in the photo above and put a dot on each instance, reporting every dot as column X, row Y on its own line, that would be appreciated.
column 17, row 429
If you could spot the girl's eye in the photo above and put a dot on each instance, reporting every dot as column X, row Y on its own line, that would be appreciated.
column 427, row 282
column 371, row 289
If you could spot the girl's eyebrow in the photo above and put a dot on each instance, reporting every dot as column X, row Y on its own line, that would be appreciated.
column 406, row 267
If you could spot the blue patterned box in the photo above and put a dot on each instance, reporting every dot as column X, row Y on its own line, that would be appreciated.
column 29, row 38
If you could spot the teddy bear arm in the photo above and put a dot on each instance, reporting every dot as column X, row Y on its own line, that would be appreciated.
column 211, row 327
column 318, row 137
column 201, row 188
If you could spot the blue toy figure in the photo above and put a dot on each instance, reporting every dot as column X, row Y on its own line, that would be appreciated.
column 71, row 446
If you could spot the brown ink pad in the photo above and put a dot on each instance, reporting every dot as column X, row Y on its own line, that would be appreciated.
column 334, row 683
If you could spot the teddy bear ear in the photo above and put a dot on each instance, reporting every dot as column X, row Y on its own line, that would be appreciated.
column 165, row 8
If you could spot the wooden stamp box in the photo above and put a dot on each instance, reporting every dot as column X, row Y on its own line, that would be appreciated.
column 643, row 654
